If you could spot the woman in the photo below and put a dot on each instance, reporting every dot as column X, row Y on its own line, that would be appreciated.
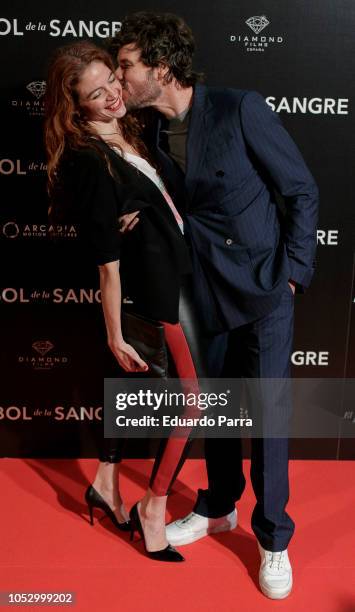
column 96, row 158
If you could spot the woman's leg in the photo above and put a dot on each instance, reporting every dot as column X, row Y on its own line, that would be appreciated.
column 151, row 510
column 184, row 341
column 106, row 483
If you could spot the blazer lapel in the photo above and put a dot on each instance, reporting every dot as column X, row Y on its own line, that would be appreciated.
column 198, row 134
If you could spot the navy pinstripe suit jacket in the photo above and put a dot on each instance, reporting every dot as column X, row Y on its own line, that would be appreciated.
column 244, row 248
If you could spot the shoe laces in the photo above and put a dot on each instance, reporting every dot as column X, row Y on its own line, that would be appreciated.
column 275, row 560
column 190, row 518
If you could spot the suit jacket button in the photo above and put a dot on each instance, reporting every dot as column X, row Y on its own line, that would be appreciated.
column 219, row 173
column 229, row 241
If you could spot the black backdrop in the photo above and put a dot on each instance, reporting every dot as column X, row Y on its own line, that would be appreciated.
column 298, row 54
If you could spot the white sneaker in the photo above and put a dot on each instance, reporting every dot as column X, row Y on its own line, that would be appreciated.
column 194, row 526
column 275, row 575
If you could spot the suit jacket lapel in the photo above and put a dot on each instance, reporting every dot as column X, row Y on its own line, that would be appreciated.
column 198, row 134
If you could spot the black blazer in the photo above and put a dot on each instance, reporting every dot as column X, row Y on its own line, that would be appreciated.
column 243, row 250
column 154, row 256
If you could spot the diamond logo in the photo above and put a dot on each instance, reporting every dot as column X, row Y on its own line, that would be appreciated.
column 42, row 347
column 257, row 23
column 37, row 88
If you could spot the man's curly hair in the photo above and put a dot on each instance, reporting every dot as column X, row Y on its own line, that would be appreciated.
column 162, row 38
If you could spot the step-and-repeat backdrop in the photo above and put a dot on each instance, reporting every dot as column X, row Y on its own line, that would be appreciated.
column 299, row 55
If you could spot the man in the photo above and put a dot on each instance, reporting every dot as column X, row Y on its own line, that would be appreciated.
column 223, row 153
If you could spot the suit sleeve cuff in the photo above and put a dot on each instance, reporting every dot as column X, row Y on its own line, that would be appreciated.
column 300, row 275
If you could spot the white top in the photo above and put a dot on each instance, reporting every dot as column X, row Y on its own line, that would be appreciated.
column 145, row 167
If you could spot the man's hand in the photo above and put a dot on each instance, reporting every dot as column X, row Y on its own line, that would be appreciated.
column 292, row 287
column 128, row 222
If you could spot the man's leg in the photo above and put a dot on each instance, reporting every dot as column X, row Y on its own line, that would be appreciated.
column 214, row 510
column 268, row 357
column 224, row 461
column 226, row 481
column 268, row 353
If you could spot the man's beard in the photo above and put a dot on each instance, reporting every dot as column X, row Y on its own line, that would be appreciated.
column 143, row 96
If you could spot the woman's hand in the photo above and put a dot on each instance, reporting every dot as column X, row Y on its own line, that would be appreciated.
column 128, row 221
column 127, row 357
column 110, row 285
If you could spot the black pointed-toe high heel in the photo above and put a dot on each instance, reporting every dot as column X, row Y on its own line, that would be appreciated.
column 165, row 554
column 94, row 500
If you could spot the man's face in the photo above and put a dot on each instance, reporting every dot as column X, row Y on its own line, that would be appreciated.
column 140, row 84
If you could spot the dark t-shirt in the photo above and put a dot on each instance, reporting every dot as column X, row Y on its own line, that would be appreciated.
column 177, row 131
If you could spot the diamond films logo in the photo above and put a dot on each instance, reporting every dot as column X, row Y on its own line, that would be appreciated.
column 12, row 230
column 40, row 359
column 60, row 28
column 257, row 23
column 257, row 42
column 37, row 88
column 34, row 104
column 42, row 347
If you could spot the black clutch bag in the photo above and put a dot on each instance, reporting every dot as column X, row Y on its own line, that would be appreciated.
column 148, row 339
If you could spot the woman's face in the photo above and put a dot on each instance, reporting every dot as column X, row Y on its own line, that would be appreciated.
column 100, row 93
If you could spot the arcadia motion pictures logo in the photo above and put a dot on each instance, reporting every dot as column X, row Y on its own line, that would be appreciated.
column 13, row 230
column 256, row 42
column 34, row 105
column 40, row 359
column 61, row 28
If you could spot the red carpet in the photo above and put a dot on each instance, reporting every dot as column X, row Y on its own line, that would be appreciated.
column 47, row 544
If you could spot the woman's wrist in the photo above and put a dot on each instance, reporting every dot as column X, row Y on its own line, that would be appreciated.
column 115, row 340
